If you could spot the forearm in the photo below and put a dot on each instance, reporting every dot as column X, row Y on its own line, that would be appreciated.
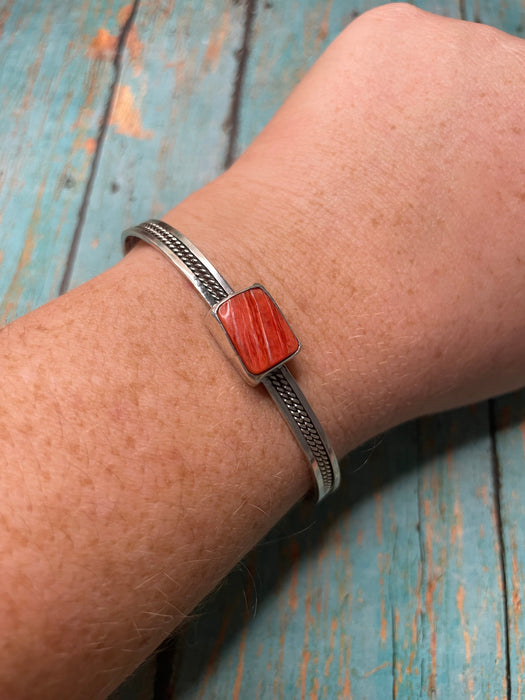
column 138, row 467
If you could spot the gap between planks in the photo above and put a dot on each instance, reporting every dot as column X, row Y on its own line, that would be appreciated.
column 496, row 476
column 243, row 54
column 117, row 71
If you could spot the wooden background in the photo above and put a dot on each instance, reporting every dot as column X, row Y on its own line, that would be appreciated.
column 409, row 582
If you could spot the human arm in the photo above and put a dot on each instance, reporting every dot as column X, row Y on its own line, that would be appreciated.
column 133, row 480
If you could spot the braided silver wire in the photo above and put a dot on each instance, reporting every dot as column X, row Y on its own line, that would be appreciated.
column 305, row 422
column 279, row 383
column 191, row 261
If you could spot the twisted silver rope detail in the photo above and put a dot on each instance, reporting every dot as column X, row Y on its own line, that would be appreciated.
column 188, row 258
column 305, row 425
column 280, row 384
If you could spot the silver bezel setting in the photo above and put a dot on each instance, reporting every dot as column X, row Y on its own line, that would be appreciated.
column 222, row 337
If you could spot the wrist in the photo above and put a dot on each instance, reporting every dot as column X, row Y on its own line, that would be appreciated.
column 334, row 299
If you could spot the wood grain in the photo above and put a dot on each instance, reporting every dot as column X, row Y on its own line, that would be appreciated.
column 510, row 453
column 167, row 133
column 409, row 582
column 54, row 89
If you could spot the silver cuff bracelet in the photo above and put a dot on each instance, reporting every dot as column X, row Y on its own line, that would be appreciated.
column 251, row 328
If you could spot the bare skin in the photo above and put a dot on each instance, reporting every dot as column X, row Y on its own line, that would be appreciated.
column 384, row 208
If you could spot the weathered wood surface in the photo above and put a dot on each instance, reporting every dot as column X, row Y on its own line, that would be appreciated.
column 54, row 88
column 167, row 129
column 409, row 582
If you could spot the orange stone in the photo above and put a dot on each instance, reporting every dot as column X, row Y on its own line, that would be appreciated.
column 257, row 330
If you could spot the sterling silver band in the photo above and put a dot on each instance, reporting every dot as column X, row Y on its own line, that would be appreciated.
column 279, row 382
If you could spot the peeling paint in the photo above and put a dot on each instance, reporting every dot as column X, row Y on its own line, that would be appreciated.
column 330, row 658
column 134, row 47
column 90, row 145
column 124, row 13
column 16, row 286
column 482, row 493
column 385, row 664
column 304, row 670
column 325, row 23
column 383, row 565
column 429, row 604
column 456, row 530
column 215, row 43
column 499, row 649
column 4, row 15
column 460, row 603
column 125, row 116
column 103, row 46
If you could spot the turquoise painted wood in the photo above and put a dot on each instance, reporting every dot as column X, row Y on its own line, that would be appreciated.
column 510, row 442
column 463, row 625
column 166, row 135
column 55, row 80
column 404, row 584
column 508, row 16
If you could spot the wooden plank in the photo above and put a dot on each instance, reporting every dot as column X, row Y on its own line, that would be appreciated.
column 510, row 443
column 446, row 8
column 463, row 611
column 507, row 16
column 55, row 75
column 167, row 134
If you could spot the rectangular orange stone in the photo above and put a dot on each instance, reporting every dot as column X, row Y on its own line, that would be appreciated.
column 257, row 330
